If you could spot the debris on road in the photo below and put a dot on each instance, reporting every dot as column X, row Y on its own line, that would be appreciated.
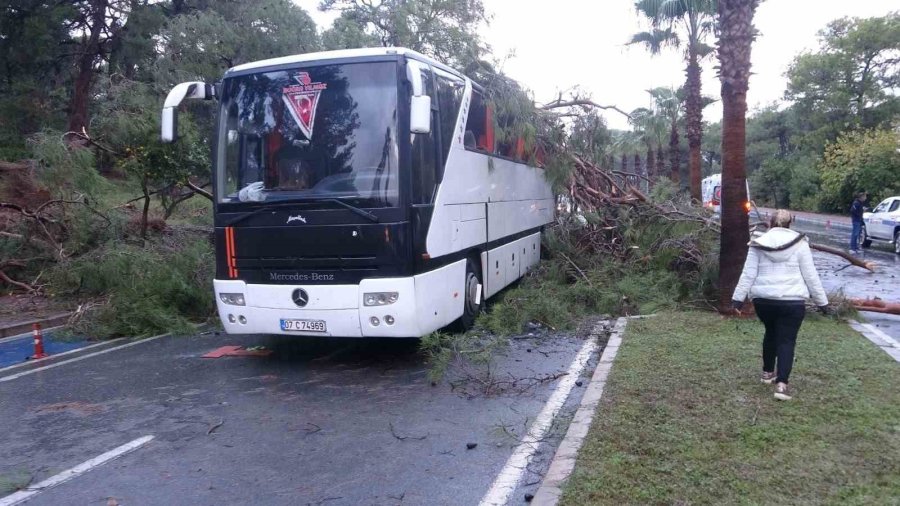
column 404, row 438
column 870, row 266
column 215, row 426
column 238, row 351
column 876, row 305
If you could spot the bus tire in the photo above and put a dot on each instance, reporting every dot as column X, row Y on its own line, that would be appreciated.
column 471, row 308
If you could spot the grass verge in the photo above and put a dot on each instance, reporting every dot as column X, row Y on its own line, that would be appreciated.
column 685, row 420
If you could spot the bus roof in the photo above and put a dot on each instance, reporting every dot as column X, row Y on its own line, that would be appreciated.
column 341, row 55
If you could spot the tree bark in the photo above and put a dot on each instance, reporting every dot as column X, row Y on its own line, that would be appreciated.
column 674, row 154
column 735, row 42
column 694, row 120
column 145, row 211
column 90, row 51
column 660, row 161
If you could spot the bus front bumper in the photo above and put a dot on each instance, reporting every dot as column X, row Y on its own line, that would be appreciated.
column 329, row 310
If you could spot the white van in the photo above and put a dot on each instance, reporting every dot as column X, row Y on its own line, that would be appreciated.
column 711, row 193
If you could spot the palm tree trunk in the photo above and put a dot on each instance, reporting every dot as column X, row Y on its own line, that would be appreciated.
column 674, row 154
column 735, row 42
column 651, row 163
column 694, row 118
column 636, row 180
column 660, row 161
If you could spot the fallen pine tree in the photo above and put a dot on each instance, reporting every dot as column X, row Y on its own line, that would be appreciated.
column 876, row 305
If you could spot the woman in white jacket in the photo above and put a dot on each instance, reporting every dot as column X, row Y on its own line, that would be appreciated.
column 779, row 275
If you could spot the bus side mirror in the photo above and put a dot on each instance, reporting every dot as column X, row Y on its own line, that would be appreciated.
column 169, row 119
column 420, row 102
column 420, row 115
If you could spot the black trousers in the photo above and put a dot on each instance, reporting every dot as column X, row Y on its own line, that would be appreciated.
column 782, row 320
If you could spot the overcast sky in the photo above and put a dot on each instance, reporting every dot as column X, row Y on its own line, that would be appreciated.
column 566, row 43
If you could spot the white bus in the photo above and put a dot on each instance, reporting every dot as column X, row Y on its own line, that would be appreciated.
column 361, row 193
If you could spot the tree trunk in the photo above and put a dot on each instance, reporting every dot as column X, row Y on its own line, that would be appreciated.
column 660, row 161
column 145, row 212
column 735, row 42
column 651, row 163
column 637, row 170
column 694, row 117
column 90, row 51
column 674, row 154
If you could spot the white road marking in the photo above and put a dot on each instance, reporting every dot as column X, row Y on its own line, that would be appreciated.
column 564, row 461
column 878, row 332
column 51, row 357
column 24, row 495
column 506, row 482
column 27, row 335
column 78, row 359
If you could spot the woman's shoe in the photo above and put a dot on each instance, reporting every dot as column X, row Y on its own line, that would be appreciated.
column 768, row 377
column 783, row 392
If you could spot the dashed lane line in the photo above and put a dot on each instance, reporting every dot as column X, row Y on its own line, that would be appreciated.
column 24, row 495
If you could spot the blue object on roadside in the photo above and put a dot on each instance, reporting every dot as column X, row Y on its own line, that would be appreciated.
column 17, row 349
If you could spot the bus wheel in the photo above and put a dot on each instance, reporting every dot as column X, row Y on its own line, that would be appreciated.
column 472, row 298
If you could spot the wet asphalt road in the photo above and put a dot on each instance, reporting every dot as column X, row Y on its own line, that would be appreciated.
column 854, row 281
column 316, row 422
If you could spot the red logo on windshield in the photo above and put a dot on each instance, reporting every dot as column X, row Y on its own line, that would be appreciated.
column 302, row 100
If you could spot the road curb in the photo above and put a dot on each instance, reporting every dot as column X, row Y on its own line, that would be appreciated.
column 887, row 344
column 25, row 327
column 563, row 461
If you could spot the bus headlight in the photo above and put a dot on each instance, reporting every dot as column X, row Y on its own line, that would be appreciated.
column 380, row 298
column 234, row 299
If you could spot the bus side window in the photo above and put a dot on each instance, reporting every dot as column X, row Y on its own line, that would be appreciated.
column 424, row 152
column 479, row 125
column 449, row 97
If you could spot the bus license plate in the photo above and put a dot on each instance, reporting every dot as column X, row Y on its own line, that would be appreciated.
column 303, row 325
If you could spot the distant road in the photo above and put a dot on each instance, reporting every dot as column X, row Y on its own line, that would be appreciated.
column 824, row 220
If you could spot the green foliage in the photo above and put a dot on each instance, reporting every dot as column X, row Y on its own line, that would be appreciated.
column 64, row 171
column 847, row 83
column 204, row 43
column 144, row 291
column 654, row 274
column 860, row 160
column 129, row 121
column 685, row 419
column 347, row 32
column 590, row 137
column 444, row 29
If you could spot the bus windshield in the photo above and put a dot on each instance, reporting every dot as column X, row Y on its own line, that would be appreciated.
column 310, row 133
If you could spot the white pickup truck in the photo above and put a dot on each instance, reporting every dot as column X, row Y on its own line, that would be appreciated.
column 883, row 224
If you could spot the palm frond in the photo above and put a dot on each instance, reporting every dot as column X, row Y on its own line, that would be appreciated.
column 703, row 50
column 655, row 40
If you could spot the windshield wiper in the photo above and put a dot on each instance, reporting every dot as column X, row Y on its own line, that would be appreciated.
column 354, row 209
column 272, row 207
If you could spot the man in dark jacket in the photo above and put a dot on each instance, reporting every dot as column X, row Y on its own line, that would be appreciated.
column 856, row 217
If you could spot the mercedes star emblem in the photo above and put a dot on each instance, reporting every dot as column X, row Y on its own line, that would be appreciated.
column 300, row 297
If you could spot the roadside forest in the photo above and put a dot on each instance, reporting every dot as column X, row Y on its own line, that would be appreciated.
column 97, row 216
